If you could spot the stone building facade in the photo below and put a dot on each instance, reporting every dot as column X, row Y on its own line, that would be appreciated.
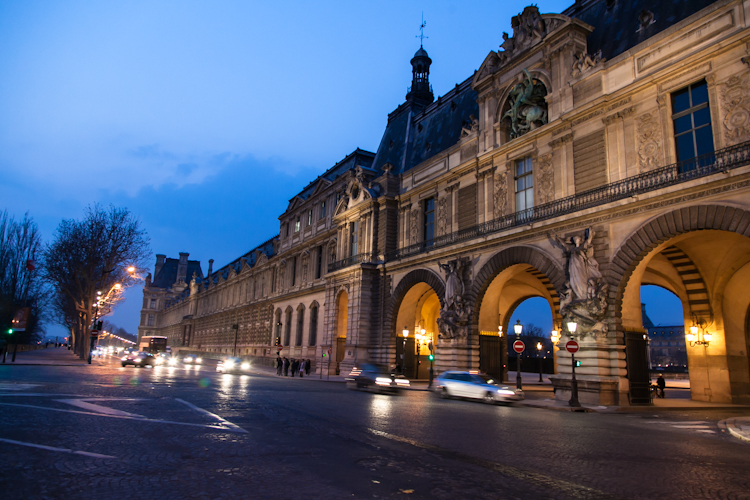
column 601, row 149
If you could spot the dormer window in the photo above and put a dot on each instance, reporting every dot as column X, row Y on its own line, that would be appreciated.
column 322, row 209
column 297, row 224
column 309, row 217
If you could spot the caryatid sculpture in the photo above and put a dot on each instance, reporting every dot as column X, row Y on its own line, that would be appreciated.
column 584, row 296
column 454, row 315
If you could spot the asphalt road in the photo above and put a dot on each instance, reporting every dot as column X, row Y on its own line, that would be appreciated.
column 103, row 431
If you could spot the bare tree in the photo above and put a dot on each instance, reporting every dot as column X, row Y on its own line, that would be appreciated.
column 20, row 284
column 89, row 256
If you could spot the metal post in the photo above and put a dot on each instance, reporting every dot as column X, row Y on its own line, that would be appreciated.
column 403, row 356
column 540, row 370
column 573, row 384
column 432, row 358
column 416, row 370
column 519, row 385
column 15, row 349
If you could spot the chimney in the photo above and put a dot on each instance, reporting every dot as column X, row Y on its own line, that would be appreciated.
column 210, row 266
column 182, row 267
column 159, row 264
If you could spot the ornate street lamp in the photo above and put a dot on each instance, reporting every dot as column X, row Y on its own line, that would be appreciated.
column 539, row 353
column 572, row 327
column 405, row 333
column 518, row 328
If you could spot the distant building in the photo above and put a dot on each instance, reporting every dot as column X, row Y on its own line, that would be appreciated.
column 612, row 139
column 667, row 347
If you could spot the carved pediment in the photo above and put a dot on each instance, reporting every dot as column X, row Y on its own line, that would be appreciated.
column 490, row 65
column 261, row 259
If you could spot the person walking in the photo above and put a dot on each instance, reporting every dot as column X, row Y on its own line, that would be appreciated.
column 295, row 366
column 301, row 368
column 661, row 384
column 279, row 365
column 286, row 367
column 307, row 367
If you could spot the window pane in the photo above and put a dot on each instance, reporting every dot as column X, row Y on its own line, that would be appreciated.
column 704, row 140
column 529, row 198
column 520, row 202
column 680, row 101
column 519, row 168
column 701, row 117
column 520, row 185
column 683, row 124
column 685, row 149
column 700, row 93
column 529, row 181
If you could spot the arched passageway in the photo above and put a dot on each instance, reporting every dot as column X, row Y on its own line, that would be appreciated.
column 342, row 316
column 702, row 255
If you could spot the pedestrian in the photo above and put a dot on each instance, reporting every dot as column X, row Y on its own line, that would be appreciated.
column 307, row 367
column 301, row 368
column 295, row 366
column 279, row 365
column 286, row 367
column 661, row 384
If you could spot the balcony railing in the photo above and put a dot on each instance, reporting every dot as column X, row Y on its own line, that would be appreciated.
column 694, row 168
column 349, row 261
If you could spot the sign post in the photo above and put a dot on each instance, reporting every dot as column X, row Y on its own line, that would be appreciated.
column 518, row 346
column 328, row 373
column 572, row 347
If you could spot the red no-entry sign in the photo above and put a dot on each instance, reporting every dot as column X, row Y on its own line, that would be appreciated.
column 571, row 346
column 519, row 346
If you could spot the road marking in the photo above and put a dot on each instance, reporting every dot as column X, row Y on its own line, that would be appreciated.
column 16, row 387
column 571, row 489
column 189, row 424
column 84, row 403
column 52, row 448
column 206, row 412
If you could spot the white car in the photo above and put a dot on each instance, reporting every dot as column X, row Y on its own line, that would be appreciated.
column 233, row 365
column 192, row 359
column 455, row 384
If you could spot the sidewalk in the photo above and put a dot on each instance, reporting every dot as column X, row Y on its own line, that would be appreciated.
column 738, row 427
column 51, row 356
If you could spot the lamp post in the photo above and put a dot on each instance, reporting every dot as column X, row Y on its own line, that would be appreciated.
column 432, row 358
column 539, row 352
column 572, row 327
column 518, row 328
column 405, row 333
column 418, row 335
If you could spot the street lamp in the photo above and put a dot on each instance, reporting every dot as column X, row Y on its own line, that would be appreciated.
column 572, row 327
column 418, row 336
column 539, row 352
column 518, row 328
column 405, row 333
column 698, row 334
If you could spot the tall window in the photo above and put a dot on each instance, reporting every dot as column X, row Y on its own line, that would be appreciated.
column 294, row 271
column 300, row 325
column 309, row 217
column 319, row 262
column 353, row 239
column 524, row 185
column 288, row 327
column 297, row 225
column 313, row 324
column 153, row 304
column 429, row 221
column 322, row 209
column 286, row 229
column 150, row 320
column 692, row 122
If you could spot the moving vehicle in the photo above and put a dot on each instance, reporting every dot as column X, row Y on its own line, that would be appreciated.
column 233, row 365
column 376, row 378
column 138, row 359
column 153, row 344
column 192, row 359
column 456, row 384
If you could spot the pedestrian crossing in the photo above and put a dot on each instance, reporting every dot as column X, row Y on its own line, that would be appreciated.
column 699, row 426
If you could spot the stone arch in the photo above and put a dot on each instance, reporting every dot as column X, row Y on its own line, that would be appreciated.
column 408, row 281
column 544, row 268
column 660, row 229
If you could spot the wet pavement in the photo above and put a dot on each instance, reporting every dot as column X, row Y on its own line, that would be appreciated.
column 100, row 430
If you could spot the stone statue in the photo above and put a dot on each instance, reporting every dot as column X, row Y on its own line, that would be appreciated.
column 583, row 298
column 454, row 288
column 528, row 107
column 584, row 61
column 455, row 313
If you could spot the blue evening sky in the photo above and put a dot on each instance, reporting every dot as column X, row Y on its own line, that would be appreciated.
column 205, row 118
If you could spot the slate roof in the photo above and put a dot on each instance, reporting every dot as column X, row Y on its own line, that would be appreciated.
column 266, row 247
column 416, row 132
column 617, row 29
column 168, row 273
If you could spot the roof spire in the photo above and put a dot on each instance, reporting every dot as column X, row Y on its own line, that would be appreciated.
column 421, row 35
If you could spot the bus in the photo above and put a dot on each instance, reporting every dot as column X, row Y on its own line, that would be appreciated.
column 153, row 344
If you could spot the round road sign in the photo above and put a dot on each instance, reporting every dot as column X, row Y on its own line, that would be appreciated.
column 329, row 351
column 571, row 346
column 519, row 346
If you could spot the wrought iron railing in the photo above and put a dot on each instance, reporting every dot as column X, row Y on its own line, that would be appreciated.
column 701, row 166
column 350, row 261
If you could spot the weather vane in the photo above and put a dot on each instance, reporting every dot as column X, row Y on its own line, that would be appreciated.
column 421, row 35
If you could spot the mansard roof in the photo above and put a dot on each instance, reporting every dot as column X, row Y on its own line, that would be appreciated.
column 168, row 274
column 267, row 247
column 618, row 28
column 416, row 132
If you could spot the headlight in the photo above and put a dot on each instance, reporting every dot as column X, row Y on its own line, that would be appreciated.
column 137, row 360
column 245, row 366
column 505, row 392
column 172, row 361
column 402, row 381
column 188, row 360
column 228, row 364
column 125, row 358
column 382, row 381
column 198, row 360
column 159, row 361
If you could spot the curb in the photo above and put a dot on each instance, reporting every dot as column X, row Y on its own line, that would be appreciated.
column 730, row 425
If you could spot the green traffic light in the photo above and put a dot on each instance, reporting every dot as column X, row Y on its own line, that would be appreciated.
column 432, row 357
column 10, row 331
column 578, row 363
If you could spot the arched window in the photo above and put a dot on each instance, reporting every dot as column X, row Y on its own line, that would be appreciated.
column 313, row 324
column 288, row 326
column 300, row 324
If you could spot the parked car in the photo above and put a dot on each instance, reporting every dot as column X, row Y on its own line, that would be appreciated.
column 192, row 359
column 376, row 378
column 456, row 384
column 233, row 365
column 165, row 359
column 138, row 359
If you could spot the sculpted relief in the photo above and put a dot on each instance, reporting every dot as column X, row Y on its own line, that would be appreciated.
column 501, row 194
column 528, row 107
column 736, row 109
column 584, row 296
column 454, row 320
column 546, row 181
column 649, row 141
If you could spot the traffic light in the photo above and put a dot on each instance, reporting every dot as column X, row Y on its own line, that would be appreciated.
column 10, row 331
column 98, row 325
column 278, row 341
column 431, row 357
column 578, row 363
